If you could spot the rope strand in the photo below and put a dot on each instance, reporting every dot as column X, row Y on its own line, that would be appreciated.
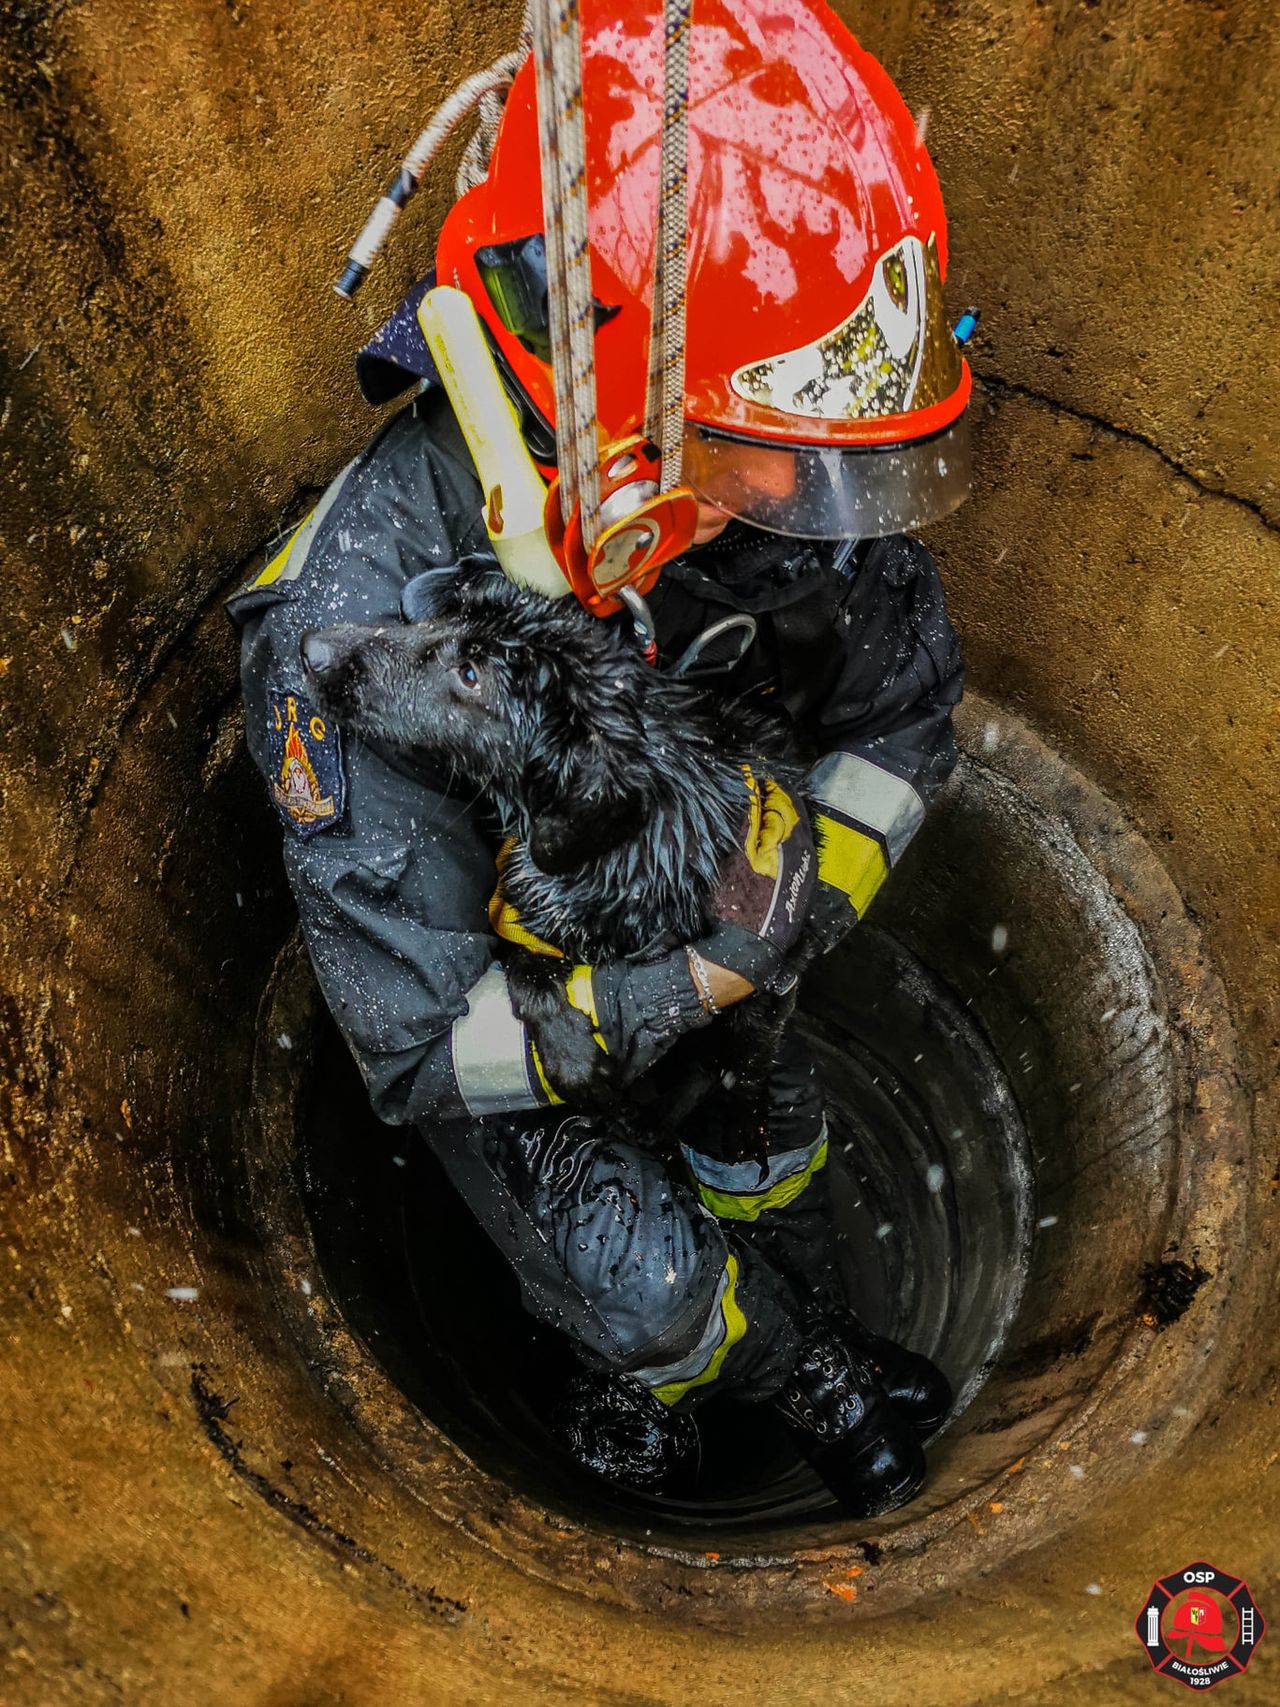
column 557, row 58
column 664, row 404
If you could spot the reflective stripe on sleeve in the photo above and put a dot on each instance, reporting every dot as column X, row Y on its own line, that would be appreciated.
column 735, row 1191
column 871, row 798
column 849, row 861
column 287, row 563
column 551, row 1095
column 276, row 568
column 491, row 1057
column 726, row 1325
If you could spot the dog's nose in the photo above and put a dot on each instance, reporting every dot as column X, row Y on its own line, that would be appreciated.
column 318, row 653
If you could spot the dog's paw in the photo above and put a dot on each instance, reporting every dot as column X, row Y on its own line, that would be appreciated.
column 576, row 1067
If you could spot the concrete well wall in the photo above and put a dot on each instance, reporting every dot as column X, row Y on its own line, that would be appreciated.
column 178, row 183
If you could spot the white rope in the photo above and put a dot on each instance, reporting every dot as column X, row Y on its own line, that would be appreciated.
column 450, row 113
column 664, row 403
column 484, row 90
column 557, row 59
column 474, row 166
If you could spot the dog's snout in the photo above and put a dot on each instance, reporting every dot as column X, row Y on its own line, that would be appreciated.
column 352, row 671
column 319, row 652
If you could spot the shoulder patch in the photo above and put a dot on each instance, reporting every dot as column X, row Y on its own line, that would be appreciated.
column 307, row 777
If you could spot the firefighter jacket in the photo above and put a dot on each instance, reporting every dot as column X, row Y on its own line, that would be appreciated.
column 393, row 869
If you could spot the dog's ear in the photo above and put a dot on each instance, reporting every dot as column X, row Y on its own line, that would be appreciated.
column 582, row 801
column 439, row 592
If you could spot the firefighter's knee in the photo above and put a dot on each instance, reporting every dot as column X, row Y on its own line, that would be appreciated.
column 747, row 1347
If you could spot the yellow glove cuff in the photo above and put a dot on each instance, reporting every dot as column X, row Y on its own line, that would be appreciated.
column 772, row 817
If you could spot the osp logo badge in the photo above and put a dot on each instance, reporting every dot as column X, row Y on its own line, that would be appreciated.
column 1200, row 1625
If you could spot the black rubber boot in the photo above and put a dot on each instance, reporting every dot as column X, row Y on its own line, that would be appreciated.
column 916, row 1388
column 861, row 1447
column 613, row 1426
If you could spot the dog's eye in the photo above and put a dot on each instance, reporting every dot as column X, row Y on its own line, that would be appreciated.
column 467, row 677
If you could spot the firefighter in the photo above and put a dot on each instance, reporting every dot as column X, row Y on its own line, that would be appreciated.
column 824, row 396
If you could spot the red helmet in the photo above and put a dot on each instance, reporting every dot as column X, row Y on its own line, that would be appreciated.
column 824, row 390
column 1198, row 1619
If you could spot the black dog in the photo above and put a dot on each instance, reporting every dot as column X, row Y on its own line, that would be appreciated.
column 623, row 789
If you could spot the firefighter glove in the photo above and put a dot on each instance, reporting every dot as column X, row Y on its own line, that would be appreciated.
column 766, row 885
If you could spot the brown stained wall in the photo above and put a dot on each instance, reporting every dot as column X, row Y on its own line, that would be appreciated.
column 177, row 183
column 1110, row 174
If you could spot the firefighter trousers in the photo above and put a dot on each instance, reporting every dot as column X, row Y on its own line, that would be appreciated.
column 655, row 1269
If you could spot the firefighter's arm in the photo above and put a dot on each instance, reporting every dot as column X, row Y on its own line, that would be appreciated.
column 632, row 1012
column 393, row 886
column 884, row 730
column 396, row 910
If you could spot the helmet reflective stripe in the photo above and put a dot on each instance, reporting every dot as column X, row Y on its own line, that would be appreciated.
column 872, row 363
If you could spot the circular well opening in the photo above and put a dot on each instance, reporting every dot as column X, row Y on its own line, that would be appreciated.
column 1008, row 1066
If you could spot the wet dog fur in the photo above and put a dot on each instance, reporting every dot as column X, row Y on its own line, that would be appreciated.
column 621, row 788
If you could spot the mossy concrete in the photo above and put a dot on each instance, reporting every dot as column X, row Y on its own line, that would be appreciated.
column 179, row 183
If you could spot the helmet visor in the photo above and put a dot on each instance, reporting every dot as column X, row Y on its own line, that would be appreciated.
column 830, row 491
